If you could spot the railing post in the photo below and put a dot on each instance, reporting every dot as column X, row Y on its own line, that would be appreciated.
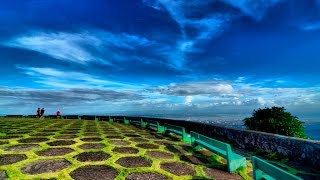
column 185, row 136
column 143, row 124
column 126, row 121
column 257, row 173
column 110, row 119
column 160, row 129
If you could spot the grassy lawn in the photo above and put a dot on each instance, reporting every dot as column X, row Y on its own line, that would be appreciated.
column 83, row 149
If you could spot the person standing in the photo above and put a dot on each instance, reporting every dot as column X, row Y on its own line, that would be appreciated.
column 42, row 113
column 38, row 113
column 58, row 114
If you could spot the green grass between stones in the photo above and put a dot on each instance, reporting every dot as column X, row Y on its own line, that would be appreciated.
column 10, row 126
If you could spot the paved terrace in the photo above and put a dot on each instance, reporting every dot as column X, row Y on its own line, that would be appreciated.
column 82, row 149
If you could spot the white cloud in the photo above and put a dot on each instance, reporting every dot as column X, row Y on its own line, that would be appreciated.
column 197, row 88
column 81, row 47
column 188, row 100
column 54, row 78
column 62, row 46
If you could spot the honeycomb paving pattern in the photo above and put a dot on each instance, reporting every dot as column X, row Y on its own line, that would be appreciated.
column 61, row 143
column 54, row 152
column 92, row 146
column 147, row 146
column 146, row 175
column 178, row 168
column 160, row 155
column 92, row 156
column 125, row 150
column 11, row 158
column 22, row 147
column 84, row 149
column 94, row 173
column 134, row 162
column 45, row 166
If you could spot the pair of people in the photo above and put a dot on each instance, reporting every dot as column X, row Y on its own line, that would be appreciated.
column 40, row 113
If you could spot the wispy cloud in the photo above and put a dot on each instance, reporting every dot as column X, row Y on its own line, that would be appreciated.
column 314, row 26
column 197, row 88
column 210, row 24
column 80, row 47
column 54, row 78
column 61, row 46
column 200, row 21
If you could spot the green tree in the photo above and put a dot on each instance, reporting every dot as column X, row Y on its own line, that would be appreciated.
column 275, row 120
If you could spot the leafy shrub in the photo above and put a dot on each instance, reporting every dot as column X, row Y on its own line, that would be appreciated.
column 275, row 120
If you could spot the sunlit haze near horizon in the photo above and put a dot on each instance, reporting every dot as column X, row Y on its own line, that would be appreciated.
column 184, row 59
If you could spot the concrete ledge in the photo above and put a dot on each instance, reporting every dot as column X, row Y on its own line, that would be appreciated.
column 304, row 151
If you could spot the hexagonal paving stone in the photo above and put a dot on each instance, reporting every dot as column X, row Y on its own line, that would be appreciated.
column 147, row 146
column 67, row 136
column 152, row 137
column 145, row 176
column 111, row 132
column 91, row 134
column 42, row 134
column 55, row 152
column 92, row 146
column 173, row 149
column 33, row 140
column 193, row 160
column 178, row 168
column 132, row 135
column 93, row 139
column 92, row 156
column 125, row 150
column 159, row 155
column 138, row 139
column 3, row 175
column 114, row 137
column 6, row 159
column 68, row 132
column 45, row 166
column 119, row 142
column 94, row 173
column 219, row 174
column 4, row 142
column 134, row 162
column 10, row 137
column 90, row 130
column 22, row 147
column 61, row 143
column 163, row 142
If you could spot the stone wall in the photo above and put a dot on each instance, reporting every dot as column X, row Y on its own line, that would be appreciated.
column 300, row 150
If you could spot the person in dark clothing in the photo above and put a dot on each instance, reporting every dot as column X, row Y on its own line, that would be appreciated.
column 42, row 113
column 38, row 113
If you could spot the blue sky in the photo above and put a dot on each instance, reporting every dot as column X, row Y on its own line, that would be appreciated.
column 184, row 59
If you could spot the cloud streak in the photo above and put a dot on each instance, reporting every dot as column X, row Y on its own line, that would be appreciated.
column 54, row 78
column 82, row 47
